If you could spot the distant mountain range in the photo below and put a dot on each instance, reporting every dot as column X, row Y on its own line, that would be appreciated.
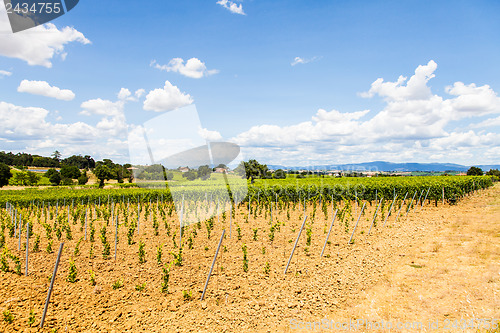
column 388, row 166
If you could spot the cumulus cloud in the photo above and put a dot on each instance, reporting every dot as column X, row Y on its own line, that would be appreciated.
column 325, row 125
column 209, row 135
column 30, row 123
column 5, row 73
column 492, row 122
column 415, row 88
column 414, row 125
column 112, row 122
column 232, row 6
column 124, row 94
column 102, row 107
column 472, row 101
column 39, row 45
column 43, row 88
column 302, row 61
column 193, row 68
column 167, row 99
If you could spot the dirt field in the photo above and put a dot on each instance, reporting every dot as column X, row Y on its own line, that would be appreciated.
column 438, row 263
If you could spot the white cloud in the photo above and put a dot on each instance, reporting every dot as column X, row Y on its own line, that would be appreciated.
column 139, row 93
column 416, row 87
column 44, row 89
column 492, row 122
column 209, row 135
column 325, row 125
column 302, row 61
column 124, row 94
column 167, row 99
column 113, row 122
column 29, row 129
column 30, row 123
column 232, row 6
column 102, row 107
column 5, row 73
column 36, row 46
column 414, row 125
column 194, row 67
column 472, row 101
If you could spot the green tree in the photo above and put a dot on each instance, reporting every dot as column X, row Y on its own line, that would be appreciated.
column 83, row 179
column 33, row 178
column 70, row 171
column 204, row 172
column 474, row 171
column 279, row 174
column 102, row 172
column 55, row 178
column 493, row 172
column 190, row 175
column 5, row 174
column 25, row 178
column 252, row 170
column 20, row 178
column 56, row 155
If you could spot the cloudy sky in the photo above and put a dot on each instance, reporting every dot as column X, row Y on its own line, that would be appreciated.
column 293, row 82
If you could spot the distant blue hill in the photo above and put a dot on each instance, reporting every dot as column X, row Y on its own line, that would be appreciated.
column 388, row 166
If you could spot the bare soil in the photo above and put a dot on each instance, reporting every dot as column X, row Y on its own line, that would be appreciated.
column 437, row 263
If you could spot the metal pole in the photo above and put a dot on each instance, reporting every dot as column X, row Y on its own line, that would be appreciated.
column 27, row 247
column 329, row 231
column 401, row 207
column 213, row 264
column 389, row 212
column 116, row 232
column 295, row 245
column 180, row 221
column 51, row 285
column 359, row 217
column 20, row 225
column 86, row 215
column 138, row 214
column 423, row 202
column 375, row 216
column 418, row 201
column 409, row 206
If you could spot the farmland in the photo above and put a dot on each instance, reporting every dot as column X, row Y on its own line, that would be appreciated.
column 157, row 278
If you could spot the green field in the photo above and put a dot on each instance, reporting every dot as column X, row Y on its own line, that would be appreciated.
column 290, row 189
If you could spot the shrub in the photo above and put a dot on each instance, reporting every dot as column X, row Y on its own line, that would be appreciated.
column 8, row 317
column 245, row 259
column 117, row 284
column 92, row 278
column 142, row 253
column 72, row 272
column 165, row 278
column 140, row 287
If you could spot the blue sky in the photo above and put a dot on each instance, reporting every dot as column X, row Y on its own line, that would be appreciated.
column 292, row 82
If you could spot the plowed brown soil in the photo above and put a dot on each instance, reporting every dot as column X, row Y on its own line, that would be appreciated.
column 438, row 263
